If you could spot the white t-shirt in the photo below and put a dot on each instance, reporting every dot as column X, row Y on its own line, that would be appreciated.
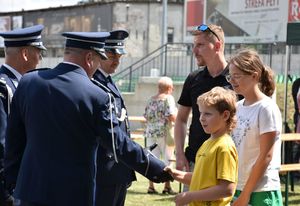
column 253, row 120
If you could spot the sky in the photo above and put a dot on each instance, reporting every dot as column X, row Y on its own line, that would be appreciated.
column 18, row 5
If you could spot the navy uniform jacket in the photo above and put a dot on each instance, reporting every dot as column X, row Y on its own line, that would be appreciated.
column 108, row 171
column 7, row 88
column 7, row 78
column 58, row 117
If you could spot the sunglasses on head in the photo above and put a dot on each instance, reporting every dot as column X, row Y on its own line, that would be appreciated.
column 204, row 28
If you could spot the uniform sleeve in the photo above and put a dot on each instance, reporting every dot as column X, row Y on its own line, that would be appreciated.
column 3, row 122
column 14, row 142
column 3, row 114
column 127, row 151
column 227, row 164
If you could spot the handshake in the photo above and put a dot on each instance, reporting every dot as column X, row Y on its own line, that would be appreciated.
column 164, row 174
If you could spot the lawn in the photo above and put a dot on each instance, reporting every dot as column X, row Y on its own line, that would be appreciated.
column 137, row 193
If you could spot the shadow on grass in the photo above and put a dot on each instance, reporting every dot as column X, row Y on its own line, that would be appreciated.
column 158, row 196
column 145, row 193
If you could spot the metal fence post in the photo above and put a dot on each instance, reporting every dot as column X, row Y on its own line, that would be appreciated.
column 130, row 79
column 166, row 59
column 192, row 62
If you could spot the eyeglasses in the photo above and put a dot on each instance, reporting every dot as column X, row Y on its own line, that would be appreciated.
column 204, row 28
column 234, row 76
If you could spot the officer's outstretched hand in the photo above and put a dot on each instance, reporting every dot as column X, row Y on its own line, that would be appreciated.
column 163, row 175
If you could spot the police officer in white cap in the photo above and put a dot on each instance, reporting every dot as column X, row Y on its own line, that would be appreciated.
column 58, row 119
column 113, row 178
column 22, row 53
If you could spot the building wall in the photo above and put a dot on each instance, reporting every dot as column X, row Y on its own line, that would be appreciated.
column 142, row 19
column 144, row 23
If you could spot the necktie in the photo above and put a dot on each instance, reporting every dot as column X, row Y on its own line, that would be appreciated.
column 110, row 83
column 109, row 79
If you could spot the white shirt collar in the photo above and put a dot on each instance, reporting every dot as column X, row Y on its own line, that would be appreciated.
column 103, row 72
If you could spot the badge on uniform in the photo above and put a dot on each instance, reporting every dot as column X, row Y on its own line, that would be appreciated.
column 123, row 115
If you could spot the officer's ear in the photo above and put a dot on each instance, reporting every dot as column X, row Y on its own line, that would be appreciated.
column 25, row 53
column 89, row 58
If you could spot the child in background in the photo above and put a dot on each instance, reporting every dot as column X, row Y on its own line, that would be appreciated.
column 213, row 181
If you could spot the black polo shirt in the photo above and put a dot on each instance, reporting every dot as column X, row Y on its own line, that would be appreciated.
column 197, row 83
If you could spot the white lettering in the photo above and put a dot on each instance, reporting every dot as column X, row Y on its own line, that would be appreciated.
column 249, row 4
column 295, row 8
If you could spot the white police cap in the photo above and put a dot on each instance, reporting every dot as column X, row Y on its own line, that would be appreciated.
column 29, row 36
column 116, row 42
column 87, row 40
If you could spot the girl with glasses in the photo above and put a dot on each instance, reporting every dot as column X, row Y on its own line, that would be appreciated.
column 257, row 135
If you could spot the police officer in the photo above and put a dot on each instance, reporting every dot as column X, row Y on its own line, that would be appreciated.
column 58, row 118
column 22, row 53
column 113, row 178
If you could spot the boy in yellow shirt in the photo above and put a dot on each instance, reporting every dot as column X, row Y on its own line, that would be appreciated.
column 213, row 181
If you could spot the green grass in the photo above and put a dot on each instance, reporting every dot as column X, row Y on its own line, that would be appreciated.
column 290, row 103
column 137, row 193
column 294, row 196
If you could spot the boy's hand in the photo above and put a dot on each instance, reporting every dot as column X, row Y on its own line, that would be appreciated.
column 182, row 199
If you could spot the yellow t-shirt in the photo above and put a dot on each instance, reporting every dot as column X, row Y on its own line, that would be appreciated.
column 215, row 159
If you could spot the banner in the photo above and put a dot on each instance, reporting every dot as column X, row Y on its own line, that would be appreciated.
column 250, row 21
column 256, row 21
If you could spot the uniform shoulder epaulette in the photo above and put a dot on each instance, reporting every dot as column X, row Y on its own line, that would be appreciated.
column 3, row 88
column 6, row 93
column 101, row 85
column 2, row 81
column 2, row 85
column 39, row 69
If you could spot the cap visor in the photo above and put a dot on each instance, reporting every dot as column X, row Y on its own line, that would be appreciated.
column 103, row 55
column 41, row 47
column 120, row 51
column 116, row 50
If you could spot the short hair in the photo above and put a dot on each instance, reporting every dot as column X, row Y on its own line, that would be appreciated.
column 12, row 50
column 164, row 83
column 215, row 28
column 221, row 99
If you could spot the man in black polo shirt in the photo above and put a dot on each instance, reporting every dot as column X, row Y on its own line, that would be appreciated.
column 209, row 53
